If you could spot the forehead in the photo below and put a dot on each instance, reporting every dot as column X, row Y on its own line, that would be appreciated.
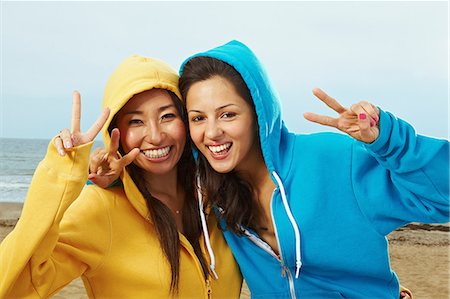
column 149, row 99
column 213, row 92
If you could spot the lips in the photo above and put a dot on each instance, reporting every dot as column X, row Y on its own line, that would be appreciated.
column 156, row 153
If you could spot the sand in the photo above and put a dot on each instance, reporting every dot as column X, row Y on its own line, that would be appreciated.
column 419, row 255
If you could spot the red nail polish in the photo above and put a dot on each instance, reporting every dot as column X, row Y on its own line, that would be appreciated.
column 362, row 116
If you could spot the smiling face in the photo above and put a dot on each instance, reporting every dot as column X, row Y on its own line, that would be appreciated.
column 151, row 122
column 222, row 125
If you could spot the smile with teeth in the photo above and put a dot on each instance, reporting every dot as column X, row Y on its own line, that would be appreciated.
column 220, row 149
column 157, row 153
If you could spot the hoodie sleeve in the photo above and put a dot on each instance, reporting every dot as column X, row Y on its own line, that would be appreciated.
column 401, row 177
column 45, row 251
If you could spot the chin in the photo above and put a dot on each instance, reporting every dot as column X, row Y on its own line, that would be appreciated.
column 221, row 168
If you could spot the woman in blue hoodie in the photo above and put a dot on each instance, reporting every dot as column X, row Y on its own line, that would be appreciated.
column 307, row 215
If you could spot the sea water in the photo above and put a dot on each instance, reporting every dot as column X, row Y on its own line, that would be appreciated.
column 18, row 161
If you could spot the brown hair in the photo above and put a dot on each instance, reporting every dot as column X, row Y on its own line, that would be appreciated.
column 162, row 216
column 226, row 190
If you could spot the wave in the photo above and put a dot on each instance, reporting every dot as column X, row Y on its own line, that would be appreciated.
column 13, row 185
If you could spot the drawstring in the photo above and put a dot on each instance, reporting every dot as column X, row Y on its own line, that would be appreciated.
column 298, row 262
column 205, row 229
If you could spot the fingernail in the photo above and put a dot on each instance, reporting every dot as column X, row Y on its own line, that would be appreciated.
column 61, row 152
column 362, row 116
column 67, row 144
column 372, row 123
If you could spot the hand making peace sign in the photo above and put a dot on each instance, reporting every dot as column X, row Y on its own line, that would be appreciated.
column 67, row 139
column 105, row 165
column 360, row 121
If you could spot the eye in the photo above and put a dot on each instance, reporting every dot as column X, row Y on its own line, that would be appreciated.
column 135, row 122
column 168, row 116
column 228, row 115
column 197, row 118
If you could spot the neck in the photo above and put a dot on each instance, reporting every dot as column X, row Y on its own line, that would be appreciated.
column 256, row 172
column 166, row 188
column 259, row 178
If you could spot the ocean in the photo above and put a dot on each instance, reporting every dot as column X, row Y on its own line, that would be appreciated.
column 18, row 161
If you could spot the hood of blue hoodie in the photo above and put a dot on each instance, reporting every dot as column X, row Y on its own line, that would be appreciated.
column 265, row 98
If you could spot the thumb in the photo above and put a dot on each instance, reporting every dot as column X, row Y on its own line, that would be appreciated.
column 130, row 157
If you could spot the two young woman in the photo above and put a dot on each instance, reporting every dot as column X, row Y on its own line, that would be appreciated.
column 307, row 215
column 139, row 239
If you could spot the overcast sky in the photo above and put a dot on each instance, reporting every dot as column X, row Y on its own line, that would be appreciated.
column 394, row 54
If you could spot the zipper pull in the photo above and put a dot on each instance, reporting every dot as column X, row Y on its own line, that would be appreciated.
column 283, row 270
column 208, row 288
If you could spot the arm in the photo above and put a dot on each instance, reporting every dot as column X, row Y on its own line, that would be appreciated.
column 397, row 175
column 401, row 177
column 30, row 263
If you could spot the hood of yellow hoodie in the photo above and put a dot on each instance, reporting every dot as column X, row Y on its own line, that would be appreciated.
column 135, row 75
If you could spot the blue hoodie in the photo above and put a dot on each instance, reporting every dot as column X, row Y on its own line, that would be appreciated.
column 336, row 199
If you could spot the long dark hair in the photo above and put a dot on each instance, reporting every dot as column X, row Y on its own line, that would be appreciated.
column 228, row 191
column 162, row 216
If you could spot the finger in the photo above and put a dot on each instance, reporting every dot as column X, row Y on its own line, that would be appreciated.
column 364, row 126
column 66, row 138
column 358, row 109
column 370, row 109
column 321, row 119
column 99, row 180
column 114, row 145
column 59, row 146
column 130, row 157
column 97, row 126
column 329, row 101
column 76, row 111
column 96, row 159
column 404, row 295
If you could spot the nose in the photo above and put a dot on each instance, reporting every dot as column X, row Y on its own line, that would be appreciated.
column 212, row 130
column 154, row 134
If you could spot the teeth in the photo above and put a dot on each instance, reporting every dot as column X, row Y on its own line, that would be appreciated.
column 157, row 153
column 218, row 149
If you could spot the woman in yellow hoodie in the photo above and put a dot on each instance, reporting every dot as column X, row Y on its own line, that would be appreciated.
column 139, row 239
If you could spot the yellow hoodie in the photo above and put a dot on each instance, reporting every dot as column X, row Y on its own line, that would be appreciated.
column 68, row 230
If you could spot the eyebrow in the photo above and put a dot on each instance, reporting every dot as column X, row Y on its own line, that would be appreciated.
column 160, row 109
column 217, row 109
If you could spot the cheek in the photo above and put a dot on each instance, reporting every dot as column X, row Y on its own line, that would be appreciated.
column 129, row 139
column 245, row 134
column 179, row 132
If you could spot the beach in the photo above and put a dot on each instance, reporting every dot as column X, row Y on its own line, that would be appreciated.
column 419, row 255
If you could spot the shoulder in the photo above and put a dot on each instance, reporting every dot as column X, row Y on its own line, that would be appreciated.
column 322, row 142
column 94, row 201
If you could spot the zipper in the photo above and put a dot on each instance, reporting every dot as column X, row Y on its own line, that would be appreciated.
column 188, row 247
column 266, row 247
column 208, row 288
column 261, row 244
column 291, row 282
column 284, row 270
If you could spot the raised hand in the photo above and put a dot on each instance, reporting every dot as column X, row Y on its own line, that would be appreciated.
column 360, row 121
column 67, row 139
column 105, row 165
